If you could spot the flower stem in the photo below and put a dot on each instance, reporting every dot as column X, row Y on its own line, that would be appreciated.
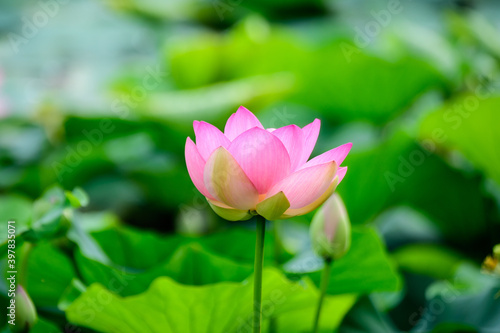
column 273, row 322
column 325, row 277
column 277, row 249
column 257, row 287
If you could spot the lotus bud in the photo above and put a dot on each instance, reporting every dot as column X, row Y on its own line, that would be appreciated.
column 331, row 230
column 25, row 311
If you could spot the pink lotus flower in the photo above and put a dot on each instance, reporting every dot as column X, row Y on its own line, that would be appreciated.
column 249, row 170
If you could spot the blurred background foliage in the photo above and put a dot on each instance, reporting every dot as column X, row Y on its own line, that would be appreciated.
column 99, row 97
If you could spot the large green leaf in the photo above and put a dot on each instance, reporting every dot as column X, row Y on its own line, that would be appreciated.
column 239, row 245
column 381, row 159
column 202, row 50
column 333, row 76
column 399, row 166
column 210, row 102
column 333, row 311
column 48, row 273
column 365, row 86
column 190, row 264
column 168, row 306
column 129, row 247
column 469, row 124
column 229, row 255
column 365, row 268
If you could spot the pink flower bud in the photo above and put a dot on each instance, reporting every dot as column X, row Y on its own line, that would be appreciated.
column 25, row 310
column 330, row 229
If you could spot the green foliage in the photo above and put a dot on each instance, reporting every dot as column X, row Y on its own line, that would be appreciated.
column 44, row 326
column 364, row 269
column 169, row 307
column 15, row 208
column 398, row 166
column 467, row 289
column 469, row 124
column 189, row 265
column 48, row 273
column 334, row 310
column 92, row 167
column 431, row 260
column 365, row 317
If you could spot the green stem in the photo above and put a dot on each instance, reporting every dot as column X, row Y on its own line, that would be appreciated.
column 277, row 243
column 257, row 286
column 325, row 277
column 273, row 323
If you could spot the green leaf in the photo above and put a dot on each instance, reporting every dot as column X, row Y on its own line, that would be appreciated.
column 469, row 124
column 50, row 217
column 364, row 269
column 366, row 87
column 48, row 273
column 168, row 306
column 202, row 51
column 44, row 326
column 78, row 198
column 72, row 292
column 333, row 311
column 226, row 255
column 129, row 247
column 238, row 244
column 432, row 260
column 135, row 258
column 392, row 178
column 210, row 102
column 190, row 264
column 87, row 245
